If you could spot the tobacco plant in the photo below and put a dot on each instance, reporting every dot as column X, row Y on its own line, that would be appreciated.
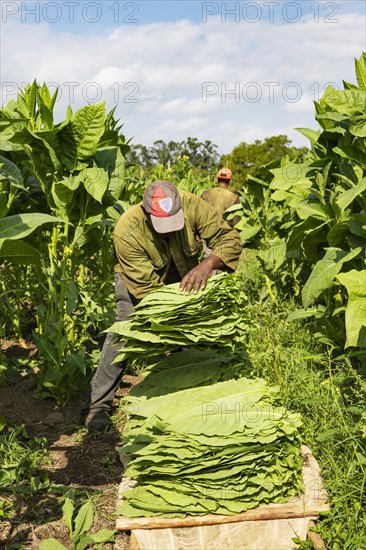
column 308, row 220
column 60, row 187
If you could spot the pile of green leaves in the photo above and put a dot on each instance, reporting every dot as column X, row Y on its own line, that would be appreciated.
column 188, row 369
column 168, row 319
column 217, row 449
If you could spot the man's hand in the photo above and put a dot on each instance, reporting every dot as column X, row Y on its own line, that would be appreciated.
column 198, row 276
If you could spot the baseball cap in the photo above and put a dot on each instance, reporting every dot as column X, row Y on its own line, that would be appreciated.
column 162, row 201
column 224, row 173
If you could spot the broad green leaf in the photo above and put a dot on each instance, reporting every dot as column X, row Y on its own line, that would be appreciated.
column 68, row 513
column 6, row 140
column 26, row 100
column 324, row 273
column 347, row 102
column 205, row 421
column 247, row 231
column 95, row 181
column 62, row 196
column 79, row 236
column 352, row 153
column 104, row 535
column 113, row 214
column 337, row 235
column 76, row 362
column 45, row 348
column 357, row 225
column 349, row 85
column 306, row 209
column 112, row 162
column 234, row 208
column 354, row 241
column 355, row 283
column 346, row 198
column 11, row 173
column 84, row 519
column 83, row 542
column 360, row 67
column 88, row 124
column 313, row 242
column 357, row 125
column 312, row 135
column 298, row 233
column 68, row 146
column 288, row 175
column 274, row 255
column 46, row 105
column 21, row 225
column 19, row 252
column 291, row 198
column 46, row 115
column 349, row 172
column 333, row 134
column 72, row 182
column 40, row 142
column 52, row 544
column 331, row 115
column 305, row 314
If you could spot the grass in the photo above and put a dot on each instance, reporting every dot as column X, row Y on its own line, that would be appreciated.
column 329, row 390
column 21, row 457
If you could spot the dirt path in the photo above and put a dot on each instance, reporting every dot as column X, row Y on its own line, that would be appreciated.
column 77, row 460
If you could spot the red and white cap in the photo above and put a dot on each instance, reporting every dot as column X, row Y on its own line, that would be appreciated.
column 162, row 201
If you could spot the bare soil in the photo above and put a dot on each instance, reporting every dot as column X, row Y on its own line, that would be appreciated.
column 77, row 459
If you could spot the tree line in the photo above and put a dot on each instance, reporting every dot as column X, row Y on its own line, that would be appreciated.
column 245, row 159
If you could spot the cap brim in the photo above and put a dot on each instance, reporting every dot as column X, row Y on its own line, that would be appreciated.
column 168, row 224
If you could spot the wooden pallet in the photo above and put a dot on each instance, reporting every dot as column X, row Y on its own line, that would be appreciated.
column 283, row 521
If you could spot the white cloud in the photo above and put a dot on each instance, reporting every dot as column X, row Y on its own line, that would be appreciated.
column 304, row 105
column 156, row 72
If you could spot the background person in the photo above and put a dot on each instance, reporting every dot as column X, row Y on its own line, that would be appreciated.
column 220, row 197
column 157, row 242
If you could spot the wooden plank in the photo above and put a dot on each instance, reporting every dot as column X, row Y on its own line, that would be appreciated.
column 309, row 504
column 315, row 538
column 134, row 543
column 128, row 524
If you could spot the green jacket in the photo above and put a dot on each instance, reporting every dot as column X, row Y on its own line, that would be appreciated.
column 144, row 256
column 220, row 198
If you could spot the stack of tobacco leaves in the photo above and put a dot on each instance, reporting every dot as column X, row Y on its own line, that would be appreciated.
column 168, row 319
column 188, row 369
column 216, row 449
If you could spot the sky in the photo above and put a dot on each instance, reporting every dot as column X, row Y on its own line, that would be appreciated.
column 222, row 71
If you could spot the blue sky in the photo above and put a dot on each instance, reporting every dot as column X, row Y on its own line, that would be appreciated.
column 78, row 16
column 224, row 71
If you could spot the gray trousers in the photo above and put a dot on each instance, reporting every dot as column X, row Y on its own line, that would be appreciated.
column 106, row 378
